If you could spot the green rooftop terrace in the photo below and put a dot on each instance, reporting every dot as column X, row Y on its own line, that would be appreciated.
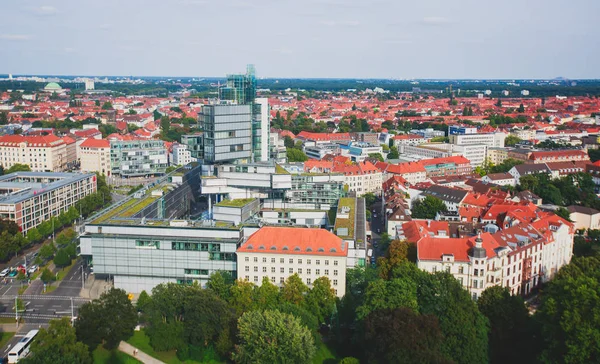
column 130, row 207
column 240, row 202
column 345, row 222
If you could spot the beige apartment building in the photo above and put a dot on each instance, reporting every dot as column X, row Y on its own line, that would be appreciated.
column 41, row 153
column 94, row 156
column 279, row 252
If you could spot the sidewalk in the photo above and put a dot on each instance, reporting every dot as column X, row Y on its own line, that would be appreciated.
column 95, row 287
column 141, row 356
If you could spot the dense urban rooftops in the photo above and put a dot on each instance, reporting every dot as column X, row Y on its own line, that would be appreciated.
column 20, row 186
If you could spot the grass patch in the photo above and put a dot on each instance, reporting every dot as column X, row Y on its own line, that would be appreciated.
column 64, row 271
column 142, row 204
column 103, row 356
column 141, row 341
column 240, row 202
column 6, row 335
column 50, row 288
column 7, row 320
column 22, row 290
column 280, row 170
column 323, row 354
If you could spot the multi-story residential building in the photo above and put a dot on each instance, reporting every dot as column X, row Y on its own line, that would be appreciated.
column 412, row 172
column 227, row 133
column 195, row 145
column 318, row 189
column 452, row 197
column 408, row 139
column 41, row 153
column 558, row 156
column 180, row 155
column 321, row 150
column 30, row 198
column 501, row 179
column 496, row 155
column 279, row 252
column 425, row 151
column 277, row 148
column 428, row 133
column 94, row 156
column 475, row 153
column 138, row 158
column 584, row 217
column 449, row 166
column 361, row 177
column 521, row 170
column 323, row 138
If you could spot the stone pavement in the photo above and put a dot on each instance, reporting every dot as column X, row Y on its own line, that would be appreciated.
column 141, row 356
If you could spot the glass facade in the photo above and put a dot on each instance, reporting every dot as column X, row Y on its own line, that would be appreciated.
column 138, row 158
column 227, row 132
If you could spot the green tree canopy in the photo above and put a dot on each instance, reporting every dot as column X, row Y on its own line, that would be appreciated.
column 296, row 155
column 273, row 337
column 428, row 208
column 320, row 300
column 294, row 290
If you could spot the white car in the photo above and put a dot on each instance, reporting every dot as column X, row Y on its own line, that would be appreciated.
column 4, row 272
column 33, row 269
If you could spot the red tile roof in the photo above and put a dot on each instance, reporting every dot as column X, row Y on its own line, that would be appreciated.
column 291, row 240
column 457, row 159
column 32, row 141
column 433, row 248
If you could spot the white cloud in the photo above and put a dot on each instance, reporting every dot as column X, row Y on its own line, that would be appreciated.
column 435, row 20
column 44, row 10
column 16, row 37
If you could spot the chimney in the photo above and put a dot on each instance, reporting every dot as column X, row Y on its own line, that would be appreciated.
column 428, row 223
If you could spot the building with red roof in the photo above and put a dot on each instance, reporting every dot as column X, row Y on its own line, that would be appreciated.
column 279, row 252
column 362, row 177
column 47, row 153
column 94, row 156
column 558, row 156
column 447, row 166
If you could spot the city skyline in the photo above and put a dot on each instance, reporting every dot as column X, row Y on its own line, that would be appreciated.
column 316, row 39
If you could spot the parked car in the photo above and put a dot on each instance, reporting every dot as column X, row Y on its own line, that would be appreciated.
column 13, row 273
column 32, row 269
column 4, row 272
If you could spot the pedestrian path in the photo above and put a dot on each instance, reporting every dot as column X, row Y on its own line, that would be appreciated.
column 141, row 356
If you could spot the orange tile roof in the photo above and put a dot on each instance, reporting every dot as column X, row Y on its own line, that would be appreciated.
column 457, row 159
column 32, row 141
column 95, row 143
column 433, row 248
column 292, row 240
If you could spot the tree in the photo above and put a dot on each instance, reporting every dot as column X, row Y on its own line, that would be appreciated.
column 57, row 344
column 17, row 167
column 267, row 296
column 401, row 335
column 499, row 103
column 220, row 283
column 296, row 155
column 273, row 337
column 564, row 213
column 393, row 154
column 510, row 325
column 397, row 253
column 241, row 298
column 377, row 156
column 288, row 142
column 521, row 109
column 92, row 325
column 569, row 313
column 47, row 250
column 528, row 183
column 107, row 106
column 320, row 300
column 62, row 258
column 511, row 140
column 294, row 290
column 143, row 302
column 370, row 199
column 394, row 293
column 47, row 276
column 428, row 208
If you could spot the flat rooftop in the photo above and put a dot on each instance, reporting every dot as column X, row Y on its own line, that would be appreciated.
column 20, row 186
column 345, row 204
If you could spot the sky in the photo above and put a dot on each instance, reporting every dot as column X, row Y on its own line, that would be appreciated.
column 399, row 39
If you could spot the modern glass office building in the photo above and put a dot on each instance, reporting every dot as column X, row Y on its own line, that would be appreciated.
column 137, row 158
column 227, row 132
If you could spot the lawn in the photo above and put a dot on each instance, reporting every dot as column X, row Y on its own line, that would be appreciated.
column 240, row 202
column 142, row 342
column 6, row 336
column 103, row 356
column 8, row 320
column 324, row 354
column 63, row 272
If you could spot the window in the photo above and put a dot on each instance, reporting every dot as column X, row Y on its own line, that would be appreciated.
column 317, row 262
column 460, row 280
column 335, row 262
column 326, row 272
column 434, row 269
column 318, row 272
column 308, row 271
column 461, row 270
column 291, row 270
column 264, row 269
column 273, row 279
column 247, row 278
column 282, row 270
column 476, row 272
column 327, row 262
column 299, row 270
column 247, row 269
column 448, row 269
column 147, row 244
column 291, row 261
column 299, row 261
column 281, row 260
column 508, row 271
column 272, row 269
column 335, row 282
column 308, row 281
column 247, row 259
column 264, row 260
column 272, row 260
column 281, row 280
column 196, row 272
column 255, row 259
column 335, row 272
column 307, row 261
column 256, row 269
column 255, row 278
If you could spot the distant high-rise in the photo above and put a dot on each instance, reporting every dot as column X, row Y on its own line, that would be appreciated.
column 240, row 88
